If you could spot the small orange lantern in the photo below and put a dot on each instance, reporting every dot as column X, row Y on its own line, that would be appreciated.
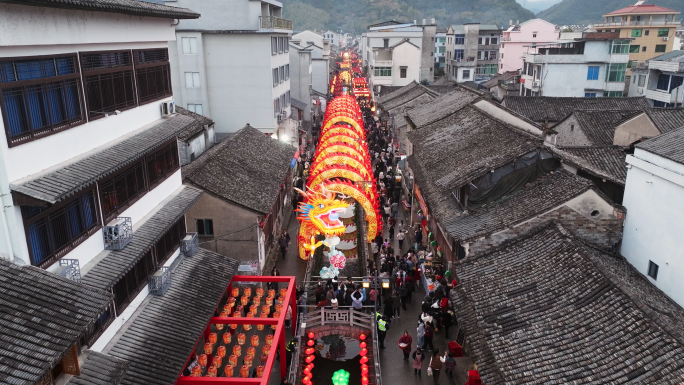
column 269, row 339
column 241, row 339
column 311, row 335
column 226, row 338
column 266, row 349
column 229, row 370
column 196, row 371
column 208, row 348
column 211, row 372
column 251, row 351
column 231, row 301
column 221, row 351
column 281, row 300
column 253, row 309
column 260, row 327
column 276, row 314
column 256, row 301
column 247, row 326
column 311, row 342
column 213, row 338
column 248, row 360
column 248, row 292
column 236, row 292
column 260, row 291
column 240, row 309
column 255, row 340
column 237, row 350
column 263, row 359
column 362, row 345
column 283, row 292
column 269, row 301
column 226, row 307
column 232, row 360
column 236, row 315
column 271, row 293
column 279, row 307
column 244, row 371
column 216, row 361
column 202, row 360
column 266, row 309
column 260, row 371
column 244, row 300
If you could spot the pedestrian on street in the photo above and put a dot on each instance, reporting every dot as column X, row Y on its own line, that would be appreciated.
column 382, row 331
column 436, row 365
column 357, row 300
column 282, row 242
column 403, row 294
column 388, row 308
column 400, row 237
column 419, row 237
column 395, row 209
column 449, row 364
column 420, row 333
column 429, row 334
column 288, row 317
column 391, row 232
column 405, row 344
column 446, row 323
column 396, row 304
column 418, row 357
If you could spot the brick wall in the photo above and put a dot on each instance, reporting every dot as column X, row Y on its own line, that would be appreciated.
column 604, row 233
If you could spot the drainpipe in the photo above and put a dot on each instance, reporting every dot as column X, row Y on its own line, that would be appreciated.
column 5, row 223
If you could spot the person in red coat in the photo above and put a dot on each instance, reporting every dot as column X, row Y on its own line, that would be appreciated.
column 405, row 344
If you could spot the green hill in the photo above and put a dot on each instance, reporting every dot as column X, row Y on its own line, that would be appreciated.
column 356, row 15
column 570, row 12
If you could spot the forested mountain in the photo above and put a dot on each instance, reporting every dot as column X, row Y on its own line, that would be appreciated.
column 356, row 15
column 570, row 12
column 538, row 5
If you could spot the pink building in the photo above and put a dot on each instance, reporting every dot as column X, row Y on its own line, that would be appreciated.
column 517, row 36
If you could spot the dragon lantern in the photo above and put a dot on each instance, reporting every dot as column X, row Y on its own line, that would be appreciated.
column 319, row 214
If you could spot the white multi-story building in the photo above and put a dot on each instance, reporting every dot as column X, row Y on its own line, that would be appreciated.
column 654, row 198
column 397, row 54
column 440, row 48
column 90, row 178
column 301, row 80
column 660, row 80
column 232, row 64
column 587, row 64
column 320, row 59
column 472, row 51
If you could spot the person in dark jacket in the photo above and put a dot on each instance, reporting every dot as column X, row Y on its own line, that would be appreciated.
column 447, row 320
column 340, row 298
column 429, row 334
column 388, row 308
column 411, row 287
column 403, row 294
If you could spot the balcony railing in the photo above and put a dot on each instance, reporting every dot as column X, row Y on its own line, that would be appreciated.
column 272, row 22
column 638, row 23
column 383, row 63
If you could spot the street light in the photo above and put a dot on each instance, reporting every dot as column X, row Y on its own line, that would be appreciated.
column 366, row 282
column 385, row 283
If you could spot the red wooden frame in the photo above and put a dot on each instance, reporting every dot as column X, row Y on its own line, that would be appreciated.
column 278, row 336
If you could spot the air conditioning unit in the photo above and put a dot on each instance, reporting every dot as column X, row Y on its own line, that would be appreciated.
column 280, row 117
column 536, row 84
column 640, row 90
column 118, row 233
column 190, row 244
column 666, row 38
column 168, row 108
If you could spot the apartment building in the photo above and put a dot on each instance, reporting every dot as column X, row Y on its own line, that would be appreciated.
column 516, row 37
column 651, row 28
column 396, row 54
column 232, row 64
column 90, row 179
column 472, row 51
column 587, row 64
column 440, row 48
column 320, row 59
column 660, row 80
column 301, row 81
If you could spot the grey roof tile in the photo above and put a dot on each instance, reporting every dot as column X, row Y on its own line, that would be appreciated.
column 599, row 125
column 545, row 308
column 246, row 169
column 413, row 96
column 161, row 338
column 556, row 109
column 117, row 263
column 74, row 175
column 130, row 7
column 193, row 129
column 397, row 92
column 41, row 317
column 669, row 145
column 607, row 162
column 99, row 369
column 666, row 119
column 441, row 107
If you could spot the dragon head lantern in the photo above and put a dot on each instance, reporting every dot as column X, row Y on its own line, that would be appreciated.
column 320, row 214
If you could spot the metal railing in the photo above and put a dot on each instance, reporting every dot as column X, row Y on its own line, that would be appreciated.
column 273, row 22
column 635, row 23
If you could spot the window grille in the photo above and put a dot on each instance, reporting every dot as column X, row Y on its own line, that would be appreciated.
column 151, row 56
column 154, row 83
column 169, row 242
column 40, row 96
column 105, row 60
column 109, row 92
column 135, row 279
column 162, row 164
column 121, row 191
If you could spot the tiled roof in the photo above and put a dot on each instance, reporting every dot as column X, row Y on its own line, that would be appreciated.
column 246, row 169
column 441, row 89
column 193, row 129
column 546, row 309
column 556, row 109
column 644, row 8
column 74, row 175
column 607, row 162
column 441, row 107
column 443, row 81
column 116, row 263
column 599, row 126
column 668, row 56
column 41, row 317
column 99, row 369
column 666, row 119
column 130, row 7
column 493, row 82
column 298, row 104
column 160, row 339
column 669, row 145
column 412, row 97
column 397, row 92
column 533, row 199
column 459, row 148
column 386, row 90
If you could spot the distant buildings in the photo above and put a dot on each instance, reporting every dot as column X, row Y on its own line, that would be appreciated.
column 578, row 65
column 396, row 54
column 320, row 59
column 472, row 51
column 660, row 80
column 440, row 49
column 233, row 65
column 651, row 28
column 517, row 37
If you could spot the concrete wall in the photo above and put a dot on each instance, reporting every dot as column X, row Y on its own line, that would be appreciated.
column 427, row 59
column 569, row 134
column 181, row 63
column 603, row 230
column 511, row 52
column 222, row 15
column 300, row 74
column 320, row 75
column 555, row 80
column 633, row 130
column 406, row 55
column 654, row 198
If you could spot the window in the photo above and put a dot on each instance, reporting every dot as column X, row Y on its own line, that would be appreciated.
column 109, row 82
column 402, row 72
column 643, row 49
column 35, row 108
column 587, row 95
column 274, row 45
column 466, row 74
column 287, row 72
column 161, row 164
column 614, row 94
column 153, row 74
column 54, row 231
column 620, row 47
column 383, row 71
column 135, row 279
column 119, row 192
column 441, row 49
column 288, row 100
column 537, row 72
column 189, row 45
column 634, row 48
column 458, row 54
column 281, row 74
column 646, row 32
column 196, row 108
column 616, row 72
column 385, row 43
column 192, row 80
column 652, row 270
column 205, row 226
column 593, row 73
column 441, row 39
column 286, row 40
column 494, row 40
column 660, row 48
column 534, row 35
column 663, row 32
column 459, row 39
column 636, row 33
column 642, row 80
column 169, row 242
column 276, row 80
column 276, row 107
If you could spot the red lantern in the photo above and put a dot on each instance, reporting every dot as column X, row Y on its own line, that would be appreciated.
column 260, row 291
column 309, row 351
column 363, row 352
column 255, row 340
column 256, row 301
column 266, row 349
column 306, row 371
column 202, row 360
column 244, row 371
column 244, row 300
column 362, row 345
column 196, row 371
column 237, row 350
column 269, row 339
column 263, row 359
column 251, row 350
column 260, row 371
column 283, row 291
column 311, row 335
column 363, row 360
column 208, row 348
column 226, row 338
column 216, row 361
column 241, row 338
column 231, row 302
column 229, row 370
column 362, row 337
column 364, row 380
column 248, row 292
column 309, row 359
column 236, row 292
column 311, row 342
column 212, row 338
column 232, row 360
column 211, row 372
column 248, row 360
column 271, row 293
column 364, row 369
column 221, row 351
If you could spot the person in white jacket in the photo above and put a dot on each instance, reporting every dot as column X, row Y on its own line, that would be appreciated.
column 420, row 333
column 425, row 317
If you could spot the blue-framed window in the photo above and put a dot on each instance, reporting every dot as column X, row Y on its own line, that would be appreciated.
column 54, row 231
column 459, row 39
column 590, row 94
column 459, row 54
column 40, row 96
column 593, row 73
